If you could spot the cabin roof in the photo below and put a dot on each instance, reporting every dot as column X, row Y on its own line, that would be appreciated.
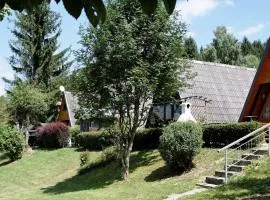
column 262, row 77
column 225, row 86
column 72, row 105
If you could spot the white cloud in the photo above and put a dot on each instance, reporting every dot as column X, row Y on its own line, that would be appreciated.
column 196, row 8
column 6, row 72
column 229, row 2
column 252, row 30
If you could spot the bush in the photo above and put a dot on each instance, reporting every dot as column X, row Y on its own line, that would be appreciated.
column 98, row 140
column 74, row 131
column 53, row 135
column 219, row 135
column 179, row 143
column 11, row 142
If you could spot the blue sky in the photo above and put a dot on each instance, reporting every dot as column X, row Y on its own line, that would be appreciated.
column 241, row 17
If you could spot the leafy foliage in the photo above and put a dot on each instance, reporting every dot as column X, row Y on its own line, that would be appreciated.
column 226, row 49
column 53, row 135
column 130, row 59
column 75, row 130
column 11, row 142
column 249, row 61
column 4, row 11
column 4, row 115
column 180, row 143
column 218, row 135
column 26, row 103
column 94, row 10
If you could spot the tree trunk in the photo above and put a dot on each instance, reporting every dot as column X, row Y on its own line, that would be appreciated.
column 125, row 162
column 27, row 123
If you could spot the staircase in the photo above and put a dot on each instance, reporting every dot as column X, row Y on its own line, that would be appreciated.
column 240, row 154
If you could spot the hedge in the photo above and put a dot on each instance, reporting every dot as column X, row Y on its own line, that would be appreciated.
column 219, row 135
column 98, row 140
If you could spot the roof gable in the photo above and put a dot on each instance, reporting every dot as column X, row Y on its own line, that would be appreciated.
column 262, row 77
column 225, row 86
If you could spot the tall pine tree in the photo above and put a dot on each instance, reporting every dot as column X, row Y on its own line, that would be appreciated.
column 246, row 47
column 36, row 57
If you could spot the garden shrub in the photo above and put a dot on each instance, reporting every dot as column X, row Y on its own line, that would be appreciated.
column 180, row 142
column 11, row 142
column 53, row 135
column 219, row 135
column 74, row 131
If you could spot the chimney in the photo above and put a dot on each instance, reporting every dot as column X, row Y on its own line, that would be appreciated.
column 186, row 113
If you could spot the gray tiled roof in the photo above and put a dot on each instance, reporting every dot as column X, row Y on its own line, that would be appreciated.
column 72, row 104
column 226, row 86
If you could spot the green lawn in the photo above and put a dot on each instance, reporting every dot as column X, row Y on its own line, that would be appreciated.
column 253, row 185
column 52, row 174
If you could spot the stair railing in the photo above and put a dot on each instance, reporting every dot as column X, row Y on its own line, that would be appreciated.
column 235, row 150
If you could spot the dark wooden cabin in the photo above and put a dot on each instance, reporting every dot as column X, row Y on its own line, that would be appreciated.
column 257, row 105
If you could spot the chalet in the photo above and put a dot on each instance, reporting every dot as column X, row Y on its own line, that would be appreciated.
column 257, row 104
column 67, row 108
column 217, row 95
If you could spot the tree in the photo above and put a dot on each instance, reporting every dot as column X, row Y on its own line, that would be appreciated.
column 209, row 54
column 35, row 46
column 191, row 48
column 249, row 61
column 4, row 117
column 94, row 10
column 130, row 59
column 246, row 47
column 3, row 12
column 26, row 104
column 227, row 47
column 258, row 48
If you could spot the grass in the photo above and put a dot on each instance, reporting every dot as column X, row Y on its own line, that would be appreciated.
column 254, row 184
column 53, row 174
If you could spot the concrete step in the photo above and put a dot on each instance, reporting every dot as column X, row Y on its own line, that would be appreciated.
column 235, row 168
column 242, row 162
column 215, row 180
column 221, row 173
column 207, row 185
column 260, row 151
column 251, row 156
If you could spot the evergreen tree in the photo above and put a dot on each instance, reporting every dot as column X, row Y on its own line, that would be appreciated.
column 258, row 48
column 35, row 47
column 246, row 47
column 191, row 48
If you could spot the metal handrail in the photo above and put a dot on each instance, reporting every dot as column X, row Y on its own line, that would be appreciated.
column 245, row 137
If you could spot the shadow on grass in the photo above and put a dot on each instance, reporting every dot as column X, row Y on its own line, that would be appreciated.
column 5, row 163
column 99, row 178
column 162, row 173
column 247, row 188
